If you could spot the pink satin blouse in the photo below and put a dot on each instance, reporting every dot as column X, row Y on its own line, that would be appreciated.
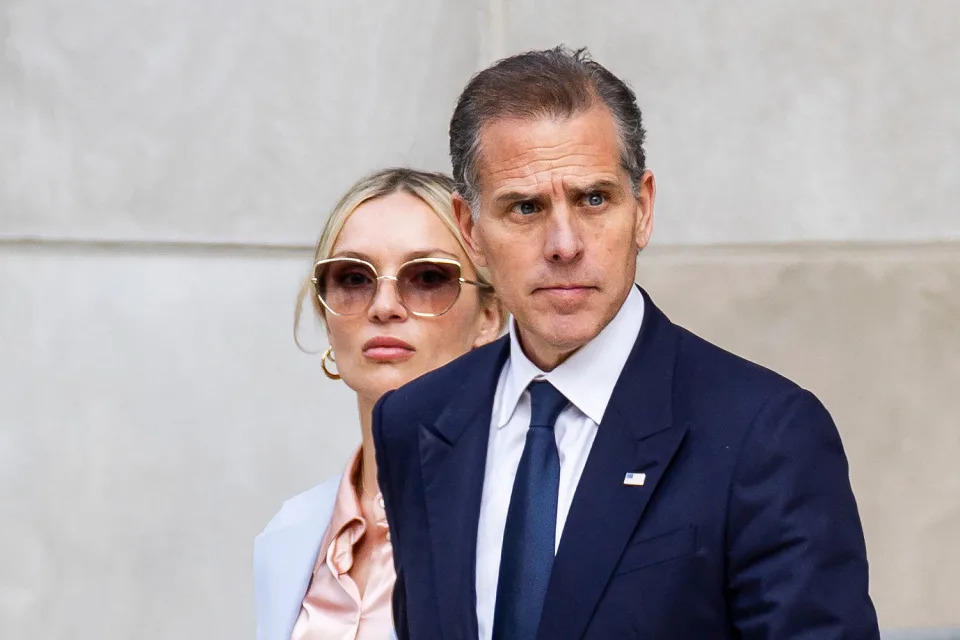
column 333, row 608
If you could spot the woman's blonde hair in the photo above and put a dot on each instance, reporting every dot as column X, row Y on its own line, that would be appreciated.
column 434, row 189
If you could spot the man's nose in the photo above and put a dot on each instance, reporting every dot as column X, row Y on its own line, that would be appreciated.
column 563, row 242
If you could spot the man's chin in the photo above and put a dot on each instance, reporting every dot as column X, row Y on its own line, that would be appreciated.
column 567, row 335
column 548, row 330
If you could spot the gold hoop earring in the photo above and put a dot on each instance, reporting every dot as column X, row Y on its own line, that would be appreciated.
column 333, row 375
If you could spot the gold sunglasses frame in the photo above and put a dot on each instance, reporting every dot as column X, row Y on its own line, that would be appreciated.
column 379, row 278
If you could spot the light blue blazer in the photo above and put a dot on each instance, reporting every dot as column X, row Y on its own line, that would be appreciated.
column 284, row 556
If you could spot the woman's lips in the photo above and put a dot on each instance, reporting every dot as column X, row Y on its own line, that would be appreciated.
column 386, row 349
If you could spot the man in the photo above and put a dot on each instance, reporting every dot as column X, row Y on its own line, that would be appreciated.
column 601, row 473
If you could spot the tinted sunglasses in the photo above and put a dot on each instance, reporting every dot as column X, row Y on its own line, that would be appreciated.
column 426, row 287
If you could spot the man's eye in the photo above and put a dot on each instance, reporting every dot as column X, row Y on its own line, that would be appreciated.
column 526, row 208
column 595, row 199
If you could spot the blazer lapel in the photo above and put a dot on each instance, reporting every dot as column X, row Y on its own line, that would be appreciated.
column 453, row 452
column 635, row 435
column 285, row 559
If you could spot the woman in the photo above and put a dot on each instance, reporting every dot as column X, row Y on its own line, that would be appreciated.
column 398, row 296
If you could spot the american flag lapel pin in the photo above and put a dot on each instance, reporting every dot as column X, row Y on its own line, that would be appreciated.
column 634, row 479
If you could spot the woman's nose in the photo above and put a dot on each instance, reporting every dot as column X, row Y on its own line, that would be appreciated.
column 386, row 305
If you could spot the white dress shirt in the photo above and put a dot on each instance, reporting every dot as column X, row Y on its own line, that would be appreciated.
column 587, row 379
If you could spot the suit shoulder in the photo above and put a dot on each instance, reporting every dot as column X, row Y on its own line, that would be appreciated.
column 304, row 504
column 425, row 396
column 731, row 379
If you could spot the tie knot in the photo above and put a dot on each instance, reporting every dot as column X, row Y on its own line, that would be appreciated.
column 546, row 403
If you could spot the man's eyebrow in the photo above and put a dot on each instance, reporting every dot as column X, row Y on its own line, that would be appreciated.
column 516, row 196
column 602, row 184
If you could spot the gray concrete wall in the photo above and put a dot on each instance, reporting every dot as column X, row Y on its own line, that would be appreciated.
column 164, row 169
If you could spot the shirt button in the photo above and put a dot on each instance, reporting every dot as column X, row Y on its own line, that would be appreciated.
column 383, row 505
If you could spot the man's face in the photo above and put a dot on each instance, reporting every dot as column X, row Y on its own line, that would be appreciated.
column 559, row 226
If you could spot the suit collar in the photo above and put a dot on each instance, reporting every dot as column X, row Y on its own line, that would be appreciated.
column 453, row 452
column 644, row 392
column 474, row 395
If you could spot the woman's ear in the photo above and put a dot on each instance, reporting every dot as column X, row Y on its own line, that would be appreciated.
column 491, row 321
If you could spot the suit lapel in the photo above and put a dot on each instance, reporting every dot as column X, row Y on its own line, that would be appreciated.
column 285, row 559
column 635, row 435
column 453, row 452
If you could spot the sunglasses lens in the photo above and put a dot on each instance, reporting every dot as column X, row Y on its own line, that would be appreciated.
column 346, row 286
column 429, row 288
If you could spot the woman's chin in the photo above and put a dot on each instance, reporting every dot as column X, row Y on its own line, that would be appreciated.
column 387, row 377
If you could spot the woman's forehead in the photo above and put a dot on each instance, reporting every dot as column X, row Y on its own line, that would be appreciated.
column 397, row 227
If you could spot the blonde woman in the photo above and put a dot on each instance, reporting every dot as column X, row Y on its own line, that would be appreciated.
column 398, row 296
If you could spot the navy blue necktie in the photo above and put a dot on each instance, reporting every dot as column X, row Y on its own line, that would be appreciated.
column 530, row 532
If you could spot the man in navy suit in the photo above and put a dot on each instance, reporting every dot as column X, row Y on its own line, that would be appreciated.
column 601, row 473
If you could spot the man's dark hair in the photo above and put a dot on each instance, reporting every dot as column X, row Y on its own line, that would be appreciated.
column 558, row 82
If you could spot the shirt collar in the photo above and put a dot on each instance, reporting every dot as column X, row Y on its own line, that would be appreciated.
column 346, row 508
column 587, row 377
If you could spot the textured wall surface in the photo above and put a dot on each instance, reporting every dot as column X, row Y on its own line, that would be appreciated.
column 217, row 120
column 154, row 411
column 235, row 121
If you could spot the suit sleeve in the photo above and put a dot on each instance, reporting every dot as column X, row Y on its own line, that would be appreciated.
column 381, row 448
column 797, row 565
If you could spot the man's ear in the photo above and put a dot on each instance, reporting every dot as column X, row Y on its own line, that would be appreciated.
column 645, row 197
column 463, row 214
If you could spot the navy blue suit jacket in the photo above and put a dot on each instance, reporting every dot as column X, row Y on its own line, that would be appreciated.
column 746, row 526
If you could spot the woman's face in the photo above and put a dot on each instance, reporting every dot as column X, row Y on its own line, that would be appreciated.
column 386, row 346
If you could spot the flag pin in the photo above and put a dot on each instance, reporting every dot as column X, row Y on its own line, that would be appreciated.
column 634, row 479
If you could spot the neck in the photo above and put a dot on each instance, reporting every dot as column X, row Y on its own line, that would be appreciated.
column 368, row 480
column 548, row 356
column 545, row 357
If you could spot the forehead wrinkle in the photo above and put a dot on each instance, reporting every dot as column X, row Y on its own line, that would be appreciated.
column 530, row 156
column 510, row 146
column 523, row 162
column 520, row 156
column 514, row 151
